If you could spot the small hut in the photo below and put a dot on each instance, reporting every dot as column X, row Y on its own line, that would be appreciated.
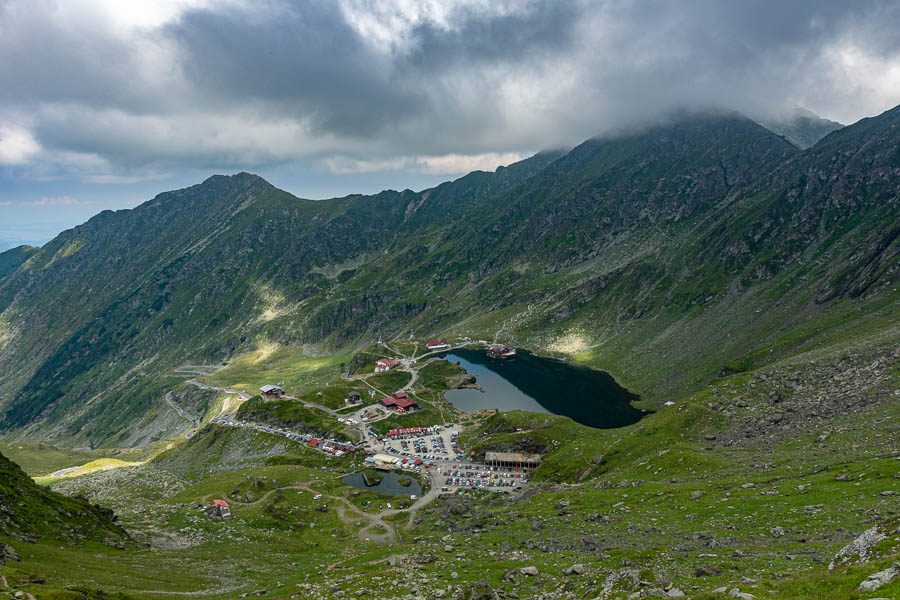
column 218, row 508
column 271, row 392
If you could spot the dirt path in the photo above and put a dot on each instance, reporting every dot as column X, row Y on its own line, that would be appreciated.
column 313, row 405
column 62, row 472
column 375, row 520
column 13, row 590
column 206, row 386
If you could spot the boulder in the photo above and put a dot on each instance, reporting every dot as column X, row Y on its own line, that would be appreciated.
column 881, row 578
column 576, row 569
column 528, row 571
column 623, row 579
column 8, row 553
column 396, row 560
column 859, row 550
column 653, row 592
column 481, row 590
column 707, row 570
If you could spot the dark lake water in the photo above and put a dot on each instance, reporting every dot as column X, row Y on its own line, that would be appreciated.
column 388, row 485
column 546, row 385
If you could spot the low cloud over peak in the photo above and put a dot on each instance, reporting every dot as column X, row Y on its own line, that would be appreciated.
column 111, row 94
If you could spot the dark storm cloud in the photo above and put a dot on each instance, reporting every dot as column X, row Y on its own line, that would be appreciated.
column 273, row 82
column 309, row 62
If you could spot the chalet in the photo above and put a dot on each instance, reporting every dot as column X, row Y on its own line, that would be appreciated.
column 313, row 443
column 438, row 344
column 353, row 398
column 400, row 402
column 501, row 352
column 219, row 508
column 384, row 365
column 271, row 392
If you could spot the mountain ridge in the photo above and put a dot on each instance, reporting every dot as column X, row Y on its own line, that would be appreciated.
column 649, row 231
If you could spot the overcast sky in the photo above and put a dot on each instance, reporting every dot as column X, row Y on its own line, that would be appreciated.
column 104, row 103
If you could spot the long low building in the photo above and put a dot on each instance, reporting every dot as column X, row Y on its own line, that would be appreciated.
column 384, row 461
column 512, row 459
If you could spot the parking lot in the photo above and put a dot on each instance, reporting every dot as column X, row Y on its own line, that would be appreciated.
column 436, row 444
column 479, row 476
column 435, row 452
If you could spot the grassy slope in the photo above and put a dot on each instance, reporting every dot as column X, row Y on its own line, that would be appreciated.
column 34, row 517
column 41, row 459
column 658, row 495
column 646, row 488
column 644, row 479
column 620, row 238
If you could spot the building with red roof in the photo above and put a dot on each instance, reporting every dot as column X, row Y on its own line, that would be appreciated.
column 400, row 400
column 219, row 508
column 383, row 365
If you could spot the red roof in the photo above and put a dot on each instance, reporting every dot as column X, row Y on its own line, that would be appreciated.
column 313, row 442
column 398, row 402
column 220, row 503
column 436, row 342
column 399, row 395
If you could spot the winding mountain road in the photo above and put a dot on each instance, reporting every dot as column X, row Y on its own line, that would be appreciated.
column 408, row 364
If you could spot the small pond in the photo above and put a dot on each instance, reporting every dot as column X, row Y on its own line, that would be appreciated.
column 389, row 485
column 546, row 385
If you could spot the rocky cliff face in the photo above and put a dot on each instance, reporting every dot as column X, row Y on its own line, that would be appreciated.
column 671, row 252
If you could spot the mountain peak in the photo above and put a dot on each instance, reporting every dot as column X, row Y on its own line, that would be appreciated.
column 242, row 178
column 800, row 126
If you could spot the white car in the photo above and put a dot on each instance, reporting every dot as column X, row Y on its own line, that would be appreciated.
column 412, row 496
column 317, row 497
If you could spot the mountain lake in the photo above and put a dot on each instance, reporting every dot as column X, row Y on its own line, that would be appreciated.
column 544, row 385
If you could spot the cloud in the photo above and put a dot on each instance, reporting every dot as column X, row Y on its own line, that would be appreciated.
column 124, row 179
column 118, row 92
column 452, row 164
column 17, row 145
column 47, row 201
